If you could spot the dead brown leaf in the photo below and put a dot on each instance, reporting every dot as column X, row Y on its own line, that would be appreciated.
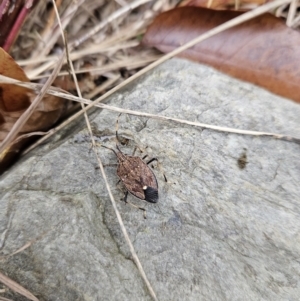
column 263, row 51
column 14, row 100
column 224, row 4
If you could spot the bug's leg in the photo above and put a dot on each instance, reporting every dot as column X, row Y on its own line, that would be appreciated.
column 133, row 153
column 140, row 208
column 166, row 180
column 145, row 157
column 141, row 149
column 159, row 166
column 125, row 197
column 151, row 160
column 110, row 164
column 137, row 207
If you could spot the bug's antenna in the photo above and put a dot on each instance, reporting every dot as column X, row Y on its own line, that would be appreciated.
column 118, row 140
column 117, row 128
column 110, row 149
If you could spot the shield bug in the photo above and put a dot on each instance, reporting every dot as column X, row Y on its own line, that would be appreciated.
column 135, row 174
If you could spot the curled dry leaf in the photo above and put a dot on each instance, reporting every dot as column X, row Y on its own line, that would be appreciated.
column 263, row 51
column 14, row 100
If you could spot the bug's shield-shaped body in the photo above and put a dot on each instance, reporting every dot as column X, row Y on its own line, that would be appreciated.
column 137, row 177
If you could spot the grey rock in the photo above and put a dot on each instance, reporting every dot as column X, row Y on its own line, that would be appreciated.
column 226, row 226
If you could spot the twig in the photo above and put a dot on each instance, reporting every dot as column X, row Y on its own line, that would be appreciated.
column 75, row 55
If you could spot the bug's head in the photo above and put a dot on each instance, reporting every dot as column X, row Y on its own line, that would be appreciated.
column 151, row 194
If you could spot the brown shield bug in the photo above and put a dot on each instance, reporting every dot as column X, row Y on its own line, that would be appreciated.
column 136, row 175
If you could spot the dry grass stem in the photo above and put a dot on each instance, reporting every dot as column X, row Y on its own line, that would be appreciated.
column 27, row 245
column 108, row 83
column 238, row 20
column 75, row 55
column 125, row 62
column 119, row 41
column 292, row 12
column 17, row 287
column 122, row 226
column 52, row 34
column 56, row 92
column 111, row 18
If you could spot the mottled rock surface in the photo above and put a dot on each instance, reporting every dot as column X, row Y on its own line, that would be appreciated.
column 226, row 226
